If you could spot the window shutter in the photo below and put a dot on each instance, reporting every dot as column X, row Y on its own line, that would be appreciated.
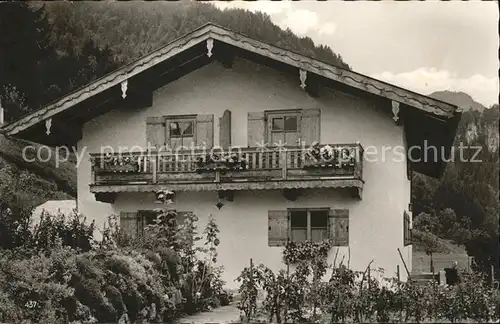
column 205, row 130
column 278, row 227
column 225, row 130
column 339, row 226
column 155, row 132
column 129, row 223
column 407, row 240
column 256, row 128
column 310, row 126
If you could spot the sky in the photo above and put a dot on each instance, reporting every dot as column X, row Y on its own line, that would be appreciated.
column 422, row 46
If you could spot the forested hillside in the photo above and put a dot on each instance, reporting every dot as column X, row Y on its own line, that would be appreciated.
column 51, row 49
column 463, row 205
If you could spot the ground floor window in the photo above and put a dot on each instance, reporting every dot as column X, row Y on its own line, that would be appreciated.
column 308, row 225
column 134, row 223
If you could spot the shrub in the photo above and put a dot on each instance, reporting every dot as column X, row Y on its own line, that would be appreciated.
column 61, row 275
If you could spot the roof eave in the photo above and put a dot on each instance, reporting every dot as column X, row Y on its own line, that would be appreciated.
column 349, row 78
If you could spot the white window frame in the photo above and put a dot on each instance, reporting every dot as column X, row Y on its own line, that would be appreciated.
column 179, row 119
column 309, row 228
column 271, row 114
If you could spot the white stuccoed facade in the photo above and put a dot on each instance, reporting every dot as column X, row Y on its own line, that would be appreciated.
column 375, row 222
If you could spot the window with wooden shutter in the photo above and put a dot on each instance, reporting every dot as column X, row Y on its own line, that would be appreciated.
column 205, row 131
column 407, row 239
column 309, row 224
column 129, row 223
column 278, row 227
column 256, row 128
column 155, row 133
column 147, row 217
column 180, row 131
column 310, row 126
column 339, row 226
column 283, row 128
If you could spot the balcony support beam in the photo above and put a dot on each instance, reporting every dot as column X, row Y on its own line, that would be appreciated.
column 357, row 192
column 226, row 194
column 106, row 197
column 292, row 194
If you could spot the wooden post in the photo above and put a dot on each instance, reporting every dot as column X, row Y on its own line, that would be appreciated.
column 284, row 162
column 399, row 282
column 404, row 263
column 286, row 293
column 369, row 277
column 492, row 276
column 153, row 167
column 251, row 284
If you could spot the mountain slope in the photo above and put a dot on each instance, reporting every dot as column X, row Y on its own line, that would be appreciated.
column 461, row 99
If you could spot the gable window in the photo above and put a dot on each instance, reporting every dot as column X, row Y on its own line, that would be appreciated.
column 181, row 132
column 309, row 225
column 283, row 128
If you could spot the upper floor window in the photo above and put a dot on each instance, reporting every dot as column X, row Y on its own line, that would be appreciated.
column 181, row 132
column 284, row 128
column 309, row 225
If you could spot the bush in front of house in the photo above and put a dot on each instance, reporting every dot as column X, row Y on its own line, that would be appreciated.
column 59, row 275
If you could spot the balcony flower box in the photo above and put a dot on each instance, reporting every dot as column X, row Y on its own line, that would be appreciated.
column 117, row 164
column 329, row 157
column 220, row 162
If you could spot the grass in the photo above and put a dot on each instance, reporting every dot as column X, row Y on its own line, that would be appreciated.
column 448, row 252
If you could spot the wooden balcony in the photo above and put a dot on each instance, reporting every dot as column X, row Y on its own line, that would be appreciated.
column 251, row 169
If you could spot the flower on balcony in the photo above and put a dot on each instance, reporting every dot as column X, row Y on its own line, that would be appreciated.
column 119, row 163
column 327, row 153
column 165, row 196
column 220, row 161
column 327, row 156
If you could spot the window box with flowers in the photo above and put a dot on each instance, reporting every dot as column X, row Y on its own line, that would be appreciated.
column 296, row 252
column 328, row 157
column 220, row 162
column 117, row 164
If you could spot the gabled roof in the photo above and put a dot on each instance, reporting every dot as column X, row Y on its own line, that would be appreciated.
column 351, row 79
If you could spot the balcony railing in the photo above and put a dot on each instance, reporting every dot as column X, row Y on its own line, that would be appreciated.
column 250, row 165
